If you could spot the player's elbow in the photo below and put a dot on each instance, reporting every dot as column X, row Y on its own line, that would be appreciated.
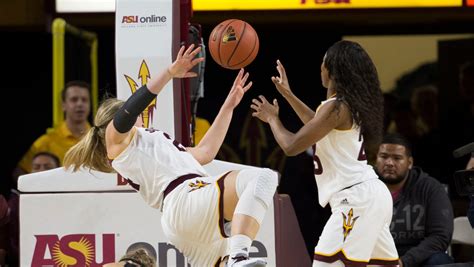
column 206, row 160
column 290, row 150
column 206, row 156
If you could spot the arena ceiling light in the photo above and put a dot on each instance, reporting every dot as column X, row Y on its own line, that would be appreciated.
column 80, row 6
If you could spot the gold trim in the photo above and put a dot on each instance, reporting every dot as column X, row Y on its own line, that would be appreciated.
column 342, row 250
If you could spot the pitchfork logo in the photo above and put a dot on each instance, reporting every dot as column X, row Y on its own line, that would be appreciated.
column 348, row 223
column 144, row 76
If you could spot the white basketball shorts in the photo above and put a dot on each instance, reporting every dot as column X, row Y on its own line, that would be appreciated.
column 358, row 231
column 193, row 220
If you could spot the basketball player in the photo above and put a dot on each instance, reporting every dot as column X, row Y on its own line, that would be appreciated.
column 171, row 178
column 357, row 233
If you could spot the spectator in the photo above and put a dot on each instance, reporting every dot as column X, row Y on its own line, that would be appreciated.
column 44, row 161
column 58, row 140
column 422, row 222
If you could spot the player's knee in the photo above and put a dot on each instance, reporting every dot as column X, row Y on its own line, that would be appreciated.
column 265, row 185
column 262, row 183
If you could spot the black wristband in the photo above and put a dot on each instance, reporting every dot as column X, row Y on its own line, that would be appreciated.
column 127, row 115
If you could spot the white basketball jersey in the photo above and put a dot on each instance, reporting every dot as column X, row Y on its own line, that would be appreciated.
column 339, row 161
column 152, row 160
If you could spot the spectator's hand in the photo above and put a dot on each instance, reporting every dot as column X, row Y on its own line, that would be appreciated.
column 238, row 90
column 184, row 62
column 281, row 82
column 264, row 110
column 400, row 263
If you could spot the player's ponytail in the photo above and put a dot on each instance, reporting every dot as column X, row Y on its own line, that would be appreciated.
column 91, row 151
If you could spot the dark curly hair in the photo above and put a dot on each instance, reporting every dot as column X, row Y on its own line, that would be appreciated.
column 357, row 84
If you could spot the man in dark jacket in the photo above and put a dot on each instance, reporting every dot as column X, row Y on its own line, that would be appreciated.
column 422, row 222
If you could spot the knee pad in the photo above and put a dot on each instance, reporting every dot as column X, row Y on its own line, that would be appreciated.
column 262, row 182
column 265, row 186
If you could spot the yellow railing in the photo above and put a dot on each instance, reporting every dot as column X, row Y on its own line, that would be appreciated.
column 59, row 29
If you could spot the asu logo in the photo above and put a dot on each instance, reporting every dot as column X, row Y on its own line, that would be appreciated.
column 144, row 76
column 72, row 250
column 348, row 223
column 197, row 185
column 229, row 35
column 130, row 19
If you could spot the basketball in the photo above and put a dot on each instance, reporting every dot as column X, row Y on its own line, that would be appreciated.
column 233, row 44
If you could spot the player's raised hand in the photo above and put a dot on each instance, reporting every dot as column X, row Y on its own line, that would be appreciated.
column 264, row 110
column 281, row 82
column 238, row 89
column 184, row 62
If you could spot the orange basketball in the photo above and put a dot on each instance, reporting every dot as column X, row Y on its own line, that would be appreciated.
column 233, row 44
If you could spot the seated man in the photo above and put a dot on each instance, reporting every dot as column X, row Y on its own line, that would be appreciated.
column 58, row 140
column 422, row 222
column 44, row 161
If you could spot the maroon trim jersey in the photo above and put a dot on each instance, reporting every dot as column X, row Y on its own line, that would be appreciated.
column 152, row 160
column 339, row 161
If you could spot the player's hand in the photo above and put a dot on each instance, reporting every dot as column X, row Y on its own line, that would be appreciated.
column 184, row 62
column 238, row 90
column 281, row 82
column 264, row 110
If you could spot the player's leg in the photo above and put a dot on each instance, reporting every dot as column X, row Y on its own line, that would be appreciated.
column 385, row 252
column 247, row 196
column 352, row 230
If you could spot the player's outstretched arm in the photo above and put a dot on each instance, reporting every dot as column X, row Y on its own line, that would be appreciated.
column 210, row 144
column 118, row 131
column 283, row 86
column 313, row 131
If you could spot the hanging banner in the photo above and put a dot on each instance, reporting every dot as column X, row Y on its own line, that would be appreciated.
column 143, row 45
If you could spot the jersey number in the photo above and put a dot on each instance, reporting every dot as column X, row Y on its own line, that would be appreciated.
column 179, row 146
column 318, row 167
column 362, row 155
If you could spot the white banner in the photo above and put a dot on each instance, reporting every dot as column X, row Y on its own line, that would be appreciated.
column 143, row 43
column 91, row 229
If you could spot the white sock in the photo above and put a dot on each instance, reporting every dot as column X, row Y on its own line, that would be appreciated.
column 240, row 244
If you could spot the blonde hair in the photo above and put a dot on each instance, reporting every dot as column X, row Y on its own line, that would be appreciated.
column 91, row 151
